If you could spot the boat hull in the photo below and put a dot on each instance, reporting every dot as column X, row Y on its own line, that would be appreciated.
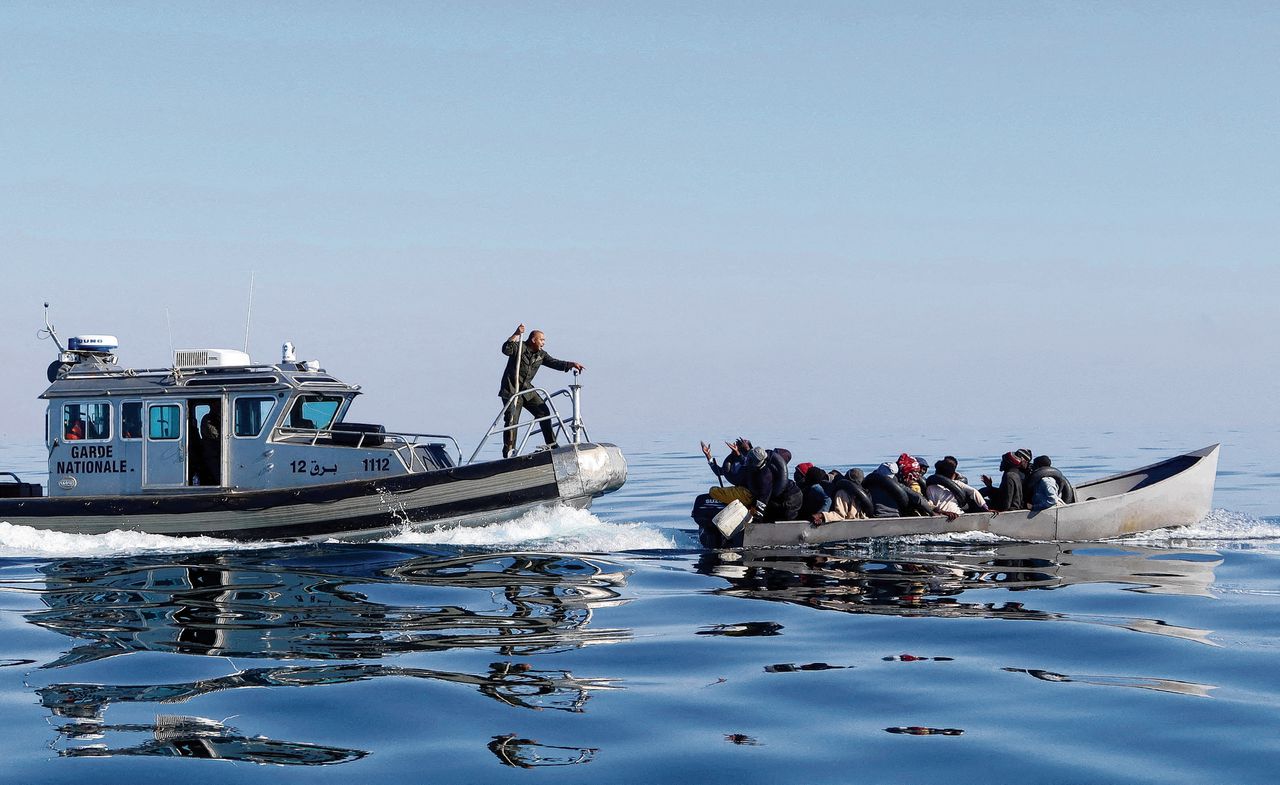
column 1176, row 492
column 471, row 495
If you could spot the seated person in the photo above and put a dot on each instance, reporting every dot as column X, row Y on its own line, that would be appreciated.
column 849, row 500
column 949, row 493
column 734, row 470
column 776, row 496
column 297, row 420
column 1011, row 494
column 1048, row 487
column 816, row 493
column 889, row 491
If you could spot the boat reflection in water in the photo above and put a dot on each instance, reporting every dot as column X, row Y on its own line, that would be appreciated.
column 529, row 753
column 197, row 737
column 930, row 581
column 316, row 603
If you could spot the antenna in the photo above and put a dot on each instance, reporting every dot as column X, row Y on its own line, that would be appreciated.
column 49, row 332
column 169, row 322
column 248, row 317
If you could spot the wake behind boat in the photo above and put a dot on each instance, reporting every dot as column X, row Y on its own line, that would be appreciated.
column 1174, row 492
column 218, row 446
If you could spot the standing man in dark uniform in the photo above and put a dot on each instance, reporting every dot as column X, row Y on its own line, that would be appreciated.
column 523, row 361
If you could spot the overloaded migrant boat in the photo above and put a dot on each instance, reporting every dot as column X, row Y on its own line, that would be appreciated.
column 1174, row 492
column 216, row 445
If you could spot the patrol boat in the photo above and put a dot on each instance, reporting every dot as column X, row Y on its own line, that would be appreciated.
column 216, row 445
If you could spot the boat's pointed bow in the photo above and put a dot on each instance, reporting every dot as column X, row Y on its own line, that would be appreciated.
column 588, row 470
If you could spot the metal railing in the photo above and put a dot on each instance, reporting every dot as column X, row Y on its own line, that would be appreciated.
column 571, row 430
column 402, row 443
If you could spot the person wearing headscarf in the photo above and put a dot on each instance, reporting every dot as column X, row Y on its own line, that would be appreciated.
column 1010, row 494
column 891, row 492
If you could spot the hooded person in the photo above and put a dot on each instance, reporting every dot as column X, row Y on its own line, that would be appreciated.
column 1010, row 495
column 1048, row 487
column 776, row 496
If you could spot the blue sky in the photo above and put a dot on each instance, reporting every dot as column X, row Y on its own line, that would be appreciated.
column 735, row 214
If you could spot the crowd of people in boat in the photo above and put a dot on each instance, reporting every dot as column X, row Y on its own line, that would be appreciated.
column 760, row 480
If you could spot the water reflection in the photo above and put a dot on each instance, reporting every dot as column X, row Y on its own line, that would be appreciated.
column 932, row 582
column 529, row 753
column 346, row 606
column 1139, row 682
column 197, row 737
column 920, row 730
column 514, row 684
column 322, row 604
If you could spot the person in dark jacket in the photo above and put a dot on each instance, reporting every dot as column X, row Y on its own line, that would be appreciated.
column 1010, row 495
column 733, row 468
column 523, row 361
column 208, row 458
column 891, row 497
column 776, row 496
column 816, row 493
column 849, row 500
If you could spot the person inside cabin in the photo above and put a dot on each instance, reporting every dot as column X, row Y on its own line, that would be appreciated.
column 298, row 420
column 131, row 422
column 75, row 428
column 210, row 452
column 523, row 361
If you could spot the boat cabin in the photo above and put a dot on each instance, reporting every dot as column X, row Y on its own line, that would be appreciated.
column 212, row 422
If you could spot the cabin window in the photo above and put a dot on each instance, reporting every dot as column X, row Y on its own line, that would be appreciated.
column 314, row 411
column 164, row 422
column 131, row 420
column 86, row 421
column 252, row 414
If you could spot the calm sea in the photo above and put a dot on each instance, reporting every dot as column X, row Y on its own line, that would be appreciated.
column 606, row 647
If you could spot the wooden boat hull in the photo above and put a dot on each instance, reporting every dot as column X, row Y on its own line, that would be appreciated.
column 471, row 495
column 1174, row 492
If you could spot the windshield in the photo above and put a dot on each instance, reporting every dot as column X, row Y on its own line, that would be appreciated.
column 314, row 411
